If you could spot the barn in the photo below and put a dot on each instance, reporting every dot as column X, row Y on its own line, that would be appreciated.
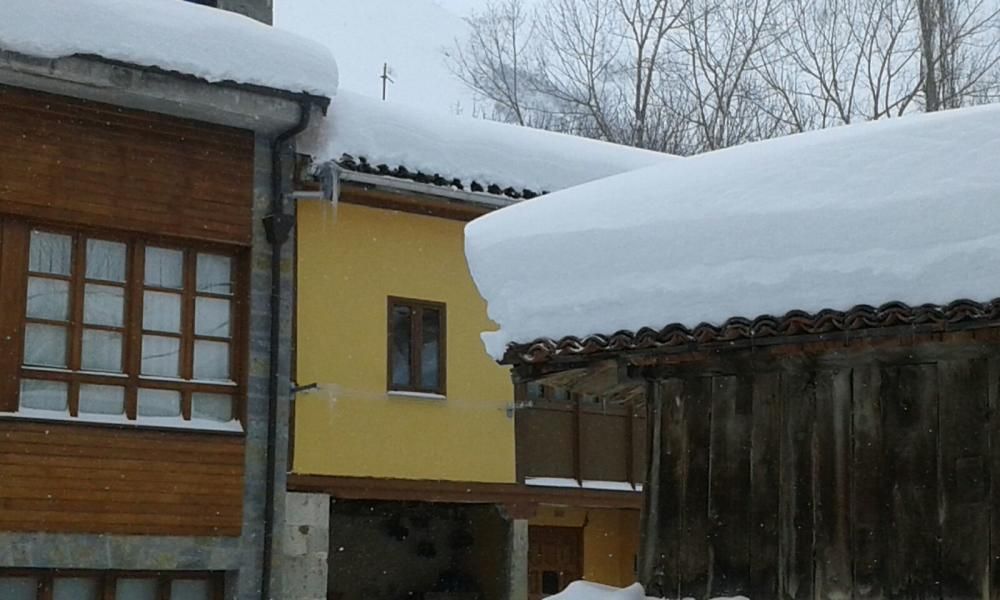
column 813, row 325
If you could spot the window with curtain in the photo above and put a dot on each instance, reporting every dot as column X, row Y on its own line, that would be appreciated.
column 119, row 328
column 416, row 352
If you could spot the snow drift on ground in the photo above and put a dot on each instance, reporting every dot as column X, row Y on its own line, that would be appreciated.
column 465, row 148
column 411, row 36
column 582, row 590
column 906, row 209
column 211, row 44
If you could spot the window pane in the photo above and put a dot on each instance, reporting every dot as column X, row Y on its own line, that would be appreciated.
column 44, row 345
column 161, row 311
column 159, row 403
column 215, row 274
column 135, row 589
column 43, row 395
column 50, row 253
column 164, row 268
column 190, row 589
column 215, row 407
column 211, row 317
column 103, row 305
column 160, row 356
column 400, row 327
column 105, row 260
column 102, row 351
column 102, row 399
column 557, row 394
column 18, row 588
column 48, row 299
column 211, row 360
column 74, row 588
column 430, row 370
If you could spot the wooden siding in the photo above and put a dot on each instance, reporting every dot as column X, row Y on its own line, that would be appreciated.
column 575, row 440
column 76, row 162
column 831, row 476
column 76, row 478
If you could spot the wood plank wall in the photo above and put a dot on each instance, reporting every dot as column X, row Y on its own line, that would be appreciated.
column 83, row 164
column 590, row 443
column 869, row 478
column 76, row 478
column 72, row 161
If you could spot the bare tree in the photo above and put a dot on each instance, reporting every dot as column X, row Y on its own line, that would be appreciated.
column 720, row 47
column 687, row 76
column 959, row 51
column 492, row 60
column 590, row 67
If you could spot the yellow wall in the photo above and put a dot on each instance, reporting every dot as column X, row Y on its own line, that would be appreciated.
column 610, row 540
column 350, row 259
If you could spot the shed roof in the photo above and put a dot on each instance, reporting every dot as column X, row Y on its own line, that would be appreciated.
column 901, row 211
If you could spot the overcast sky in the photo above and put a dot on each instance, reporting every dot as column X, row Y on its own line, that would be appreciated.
column 412, row 36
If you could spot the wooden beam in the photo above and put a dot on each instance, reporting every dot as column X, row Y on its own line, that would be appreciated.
column 459, row 492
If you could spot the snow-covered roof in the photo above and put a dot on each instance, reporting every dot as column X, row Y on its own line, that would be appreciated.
column 172, row 35
column 463, row 148
column 903, row 210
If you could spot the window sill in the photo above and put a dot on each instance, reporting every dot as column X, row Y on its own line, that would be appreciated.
column 416, row 395
column 173, row 423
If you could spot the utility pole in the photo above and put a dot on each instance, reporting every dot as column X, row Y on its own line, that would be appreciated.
column 386, row 79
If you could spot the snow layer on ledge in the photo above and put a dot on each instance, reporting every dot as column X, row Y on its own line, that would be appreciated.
column 465, row 148
column 906, row 209
column 172, row 35
column 197, row 424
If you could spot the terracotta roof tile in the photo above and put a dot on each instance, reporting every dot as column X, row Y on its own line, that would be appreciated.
column 794, row 323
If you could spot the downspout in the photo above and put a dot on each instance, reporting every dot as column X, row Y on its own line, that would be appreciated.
column 277, row 226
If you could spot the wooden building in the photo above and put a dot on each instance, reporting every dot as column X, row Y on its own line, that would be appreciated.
column 831, row 455
column 134, row 281
column 792, row 452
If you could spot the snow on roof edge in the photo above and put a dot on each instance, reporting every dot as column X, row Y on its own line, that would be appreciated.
column 172, row 35
column 906, row 210
column 453, row 150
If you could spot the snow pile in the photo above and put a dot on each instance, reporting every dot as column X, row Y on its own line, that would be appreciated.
column 906, row 209
column 465, row 148
column 582, row 590
column 207, row 43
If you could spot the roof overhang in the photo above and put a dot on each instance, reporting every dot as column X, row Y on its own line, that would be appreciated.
column 602, row 364
column 330, row 181
column 262, row 110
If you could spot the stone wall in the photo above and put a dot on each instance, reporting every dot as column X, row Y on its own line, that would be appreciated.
column 305, row 546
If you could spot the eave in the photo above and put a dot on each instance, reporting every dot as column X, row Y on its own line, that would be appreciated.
column 863, row 322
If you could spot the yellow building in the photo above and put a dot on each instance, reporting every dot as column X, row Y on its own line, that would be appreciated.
column 404, row 424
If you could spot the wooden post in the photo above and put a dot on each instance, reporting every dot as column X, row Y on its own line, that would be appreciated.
column 649, row 530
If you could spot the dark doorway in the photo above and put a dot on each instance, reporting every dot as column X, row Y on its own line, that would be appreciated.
column 555, row 559
column 416, row 551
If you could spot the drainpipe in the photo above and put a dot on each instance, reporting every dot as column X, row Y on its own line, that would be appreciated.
column 278, row 226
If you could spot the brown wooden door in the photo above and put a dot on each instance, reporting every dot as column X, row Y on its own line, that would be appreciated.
column 555, row 558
